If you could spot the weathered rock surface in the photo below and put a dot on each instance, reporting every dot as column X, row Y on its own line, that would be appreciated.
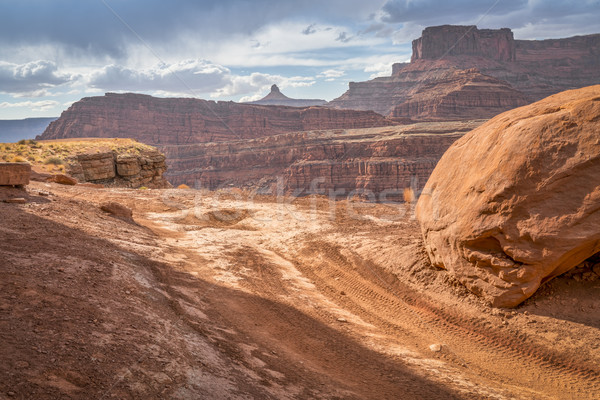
column 14, row 174
column 458, row 95
column 124, row 170
column 536, row 68
column 117, row 209
column 516, row 201
column 162, row 121
column 276, row 98
column 63, row 179
column 456, row 40
column 376, row 159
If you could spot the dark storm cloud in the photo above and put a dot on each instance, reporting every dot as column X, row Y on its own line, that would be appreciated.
column 427, row 10
column 91, row 27
column 309, row 30
column 509, row 13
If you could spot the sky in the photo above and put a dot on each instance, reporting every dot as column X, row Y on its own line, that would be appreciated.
column 54, row 52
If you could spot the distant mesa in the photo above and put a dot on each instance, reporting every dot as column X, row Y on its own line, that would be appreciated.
column 276, row 98
column 498, row 73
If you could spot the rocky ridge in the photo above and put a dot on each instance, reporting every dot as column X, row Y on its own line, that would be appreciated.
column 182, row 121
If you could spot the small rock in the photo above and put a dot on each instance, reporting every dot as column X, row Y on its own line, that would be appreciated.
column 596, row 269
column 63, row 179
column 116, row 209
column 11, row 394
column 343, row 293
column 21, row 364
column 436, row 347
column 16, row 200
column 342, row 320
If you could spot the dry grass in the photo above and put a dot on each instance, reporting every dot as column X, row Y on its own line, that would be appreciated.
column 52, row 155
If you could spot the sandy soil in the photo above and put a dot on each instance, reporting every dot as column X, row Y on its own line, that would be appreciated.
column 215, row 296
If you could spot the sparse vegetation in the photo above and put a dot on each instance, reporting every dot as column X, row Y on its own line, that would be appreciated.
column 54, row 155
column 54, row 161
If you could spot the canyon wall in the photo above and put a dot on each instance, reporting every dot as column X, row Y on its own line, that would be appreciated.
column 376, row 159
column 162, row 121
column 532, row 69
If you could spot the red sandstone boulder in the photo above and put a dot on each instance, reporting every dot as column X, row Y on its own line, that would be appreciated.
column 63, row 179
column 14, row 174
column 516, row 201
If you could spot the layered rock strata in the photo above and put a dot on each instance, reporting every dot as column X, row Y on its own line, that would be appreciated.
column 14, row 174
column 122, row 170
column 374, row 160
column 168, row 121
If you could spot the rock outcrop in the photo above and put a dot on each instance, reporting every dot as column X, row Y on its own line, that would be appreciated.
column 375, row 160
column 123, row 170
column 535, row 68
column 455, row 40
column 516, row 201
column 14, row 174
column 276, row 98
column 167, row 121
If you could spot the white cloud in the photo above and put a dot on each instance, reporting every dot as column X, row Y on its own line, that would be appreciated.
column 379, row 69
column 30, row 79
column 331, row 73
column 186, row 76
column 41, row 105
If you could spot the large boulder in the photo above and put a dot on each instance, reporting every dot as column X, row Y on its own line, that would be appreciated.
column 516, row 201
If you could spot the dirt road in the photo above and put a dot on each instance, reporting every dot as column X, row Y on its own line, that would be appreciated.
column 218, row 296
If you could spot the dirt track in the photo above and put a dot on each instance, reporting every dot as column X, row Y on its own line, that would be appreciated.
column 214, row 296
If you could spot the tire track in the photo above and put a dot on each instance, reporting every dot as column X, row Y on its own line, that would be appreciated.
column 401, row 310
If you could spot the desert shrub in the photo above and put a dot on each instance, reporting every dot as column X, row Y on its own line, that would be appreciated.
column 143, row 188
column 54, row 161
column 18, row 159
column 22, row 142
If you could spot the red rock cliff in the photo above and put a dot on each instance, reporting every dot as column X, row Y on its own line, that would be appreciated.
column 159, row 121
column 454, row 40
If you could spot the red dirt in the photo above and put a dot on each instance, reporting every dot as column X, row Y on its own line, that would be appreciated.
column 216, row 297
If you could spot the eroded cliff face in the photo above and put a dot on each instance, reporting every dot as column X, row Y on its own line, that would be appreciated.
column 162, row 121
column 533, row 68
column 453, row 40
column 458, row 95
column 373, row 160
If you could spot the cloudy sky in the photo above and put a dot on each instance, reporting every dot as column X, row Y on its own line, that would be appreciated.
column 54, row 52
